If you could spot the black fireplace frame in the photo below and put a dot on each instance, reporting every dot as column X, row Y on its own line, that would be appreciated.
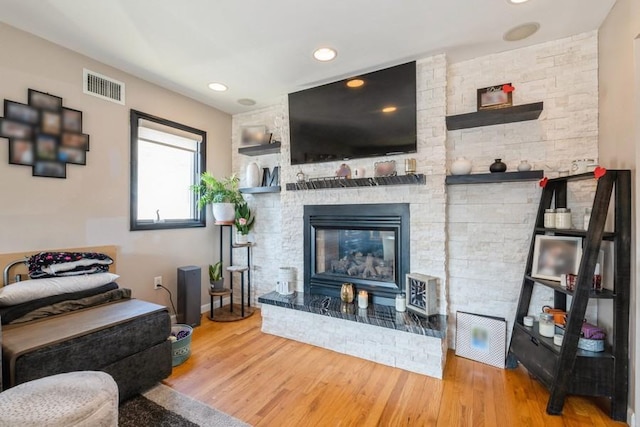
column 392, row 216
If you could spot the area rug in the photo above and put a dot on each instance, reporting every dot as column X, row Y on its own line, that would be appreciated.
column 164, row 407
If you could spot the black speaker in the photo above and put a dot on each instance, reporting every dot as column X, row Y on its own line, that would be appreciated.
column 189, row 295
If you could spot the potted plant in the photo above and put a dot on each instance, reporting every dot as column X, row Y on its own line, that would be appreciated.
column 215, row 276
column 244, row 222
column 222, row 194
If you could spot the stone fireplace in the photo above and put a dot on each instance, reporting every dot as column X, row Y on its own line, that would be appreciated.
column 366, row 244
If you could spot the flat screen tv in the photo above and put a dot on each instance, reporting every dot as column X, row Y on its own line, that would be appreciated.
column 369, row 115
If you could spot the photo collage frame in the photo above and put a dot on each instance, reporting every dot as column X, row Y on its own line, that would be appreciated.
column 44, row 135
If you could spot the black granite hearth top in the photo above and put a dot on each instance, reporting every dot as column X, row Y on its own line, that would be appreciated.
column 376, row 315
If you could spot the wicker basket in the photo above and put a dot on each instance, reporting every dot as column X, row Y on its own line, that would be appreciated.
column 181, row 349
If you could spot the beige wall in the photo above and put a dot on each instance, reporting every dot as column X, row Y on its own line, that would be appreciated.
column 619, row 143
column 91, row 206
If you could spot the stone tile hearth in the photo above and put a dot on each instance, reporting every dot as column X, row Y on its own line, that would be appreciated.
column 378, row 333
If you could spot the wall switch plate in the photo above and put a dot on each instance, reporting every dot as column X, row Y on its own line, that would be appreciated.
column 157, row 282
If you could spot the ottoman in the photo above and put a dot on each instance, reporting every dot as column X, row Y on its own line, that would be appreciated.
column 83, row 398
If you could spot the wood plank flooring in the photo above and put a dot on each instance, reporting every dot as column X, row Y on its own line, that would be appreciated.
column 271, row 381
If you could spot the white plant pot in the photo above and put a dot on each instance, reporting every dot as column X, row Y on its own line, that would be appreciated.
column 224, row 212
column 241, row 239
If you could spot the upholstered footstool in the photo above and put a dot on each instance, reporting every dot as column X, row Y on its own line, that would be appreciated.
column 84, row 398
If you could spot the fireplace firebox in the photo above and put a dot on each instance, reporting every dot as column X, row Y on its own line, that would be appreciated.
column 367, row 245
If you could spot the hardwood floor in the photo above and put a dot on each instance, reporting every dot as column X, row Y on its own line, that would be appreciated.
column 271, row 381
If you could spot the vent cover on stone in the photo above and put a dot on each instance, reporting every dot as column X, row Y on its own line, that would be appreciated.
column 103, row 87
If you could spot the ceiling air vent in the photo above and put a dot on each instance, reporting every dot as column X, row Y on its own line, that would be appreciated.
column 103, row 87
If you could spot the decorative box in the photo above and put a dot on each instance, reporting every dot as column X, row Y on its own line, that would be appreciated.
column 591, row 345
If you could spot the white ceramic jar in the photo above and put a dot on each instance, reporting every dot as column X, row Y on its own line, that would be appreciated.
column 546, row 326
column 563, row 218
column 461, row 166
column 549, row 218
column 524, row 166
column 253, row 175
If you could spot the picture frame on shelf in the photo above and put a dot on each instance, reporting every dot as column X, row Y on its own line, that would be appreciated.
column 556, row 255
column 494, row 97
column 421, row 294
column 254, row 135
column 383, row 169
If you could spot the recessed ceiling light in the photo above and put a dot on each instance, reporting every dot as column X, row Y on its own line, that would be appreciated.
column 521, row 32
column 325, row 54
column 517, row 1
column 246, row 102
column 389, row 109
column 218, row 87
column 355, row 83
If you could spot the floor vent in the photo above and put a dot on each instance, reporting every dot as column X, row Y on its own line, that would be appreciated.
column 103, row 87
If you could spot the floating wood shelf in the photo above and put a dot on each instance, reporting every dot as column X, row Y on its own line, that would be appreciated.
column 488, row 178
column 261, row 190
column 259, row 150
column 335, row 183
column 519, row 113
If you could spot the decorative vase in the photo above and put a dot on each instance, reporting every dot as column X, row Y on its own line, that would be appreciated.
column 224, row 213
column 346, row 293
column 253, row 175
column 497, row 166
column 242, row 239
column 461, row 166
column 524, row 166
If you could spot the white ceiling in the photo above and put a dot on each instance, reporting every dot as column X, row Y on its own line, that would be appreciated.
column 262, row 49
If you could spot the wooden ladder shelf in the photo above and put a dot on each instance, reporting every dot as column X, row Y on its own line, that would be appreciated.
column 567, row 369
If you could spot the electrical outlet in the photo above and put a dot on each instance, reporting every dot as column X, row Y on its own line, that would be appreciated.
column 157, row 282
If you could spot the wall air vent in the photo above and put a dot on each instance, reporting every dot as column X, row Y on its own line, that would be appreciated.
column 103, row 87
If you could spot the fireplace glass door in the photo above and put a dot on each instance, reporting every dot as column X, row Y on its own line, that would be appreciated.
column 356, row 254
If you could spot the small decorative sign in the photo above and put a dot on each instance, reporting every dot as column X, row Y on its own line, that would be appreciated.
column 44, row 135
column 492, row 97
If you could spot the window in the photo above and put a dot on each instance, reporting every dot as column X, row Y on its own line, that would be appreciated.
column 167, row 158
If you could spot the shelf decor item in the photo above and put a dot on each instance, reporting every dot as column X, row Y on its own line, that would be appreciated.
column 461, row 166
column 244, row 220
column 524, row 166
column 481, row 338
column 498, row 166
column 346, row 292
column 421, row 294
column 556, row 255
column 383, row 169
column 223, row 195
column 493, row 97
column 254, row 135
column 252, row 175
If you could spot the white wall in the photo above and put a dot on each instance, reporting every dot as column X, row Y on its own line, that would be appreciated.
column 91, row 206
column 620, row 134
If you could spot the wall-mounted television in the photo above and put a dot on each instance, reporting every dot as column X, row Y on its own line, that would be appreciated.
column 368, row 115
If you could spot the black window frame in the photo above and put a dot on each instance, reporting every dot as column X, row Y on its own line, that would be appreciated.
column 134, row 223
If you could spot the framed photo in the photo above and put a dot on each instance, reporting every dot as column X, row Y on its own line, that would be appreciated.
column 75, row 140
column 71, row 120
column 481, row 338
column 556, row 255
column 20, row 112
column 421, row 294
column 11, row 129
column 75, row 156
column 46, row 148
column 385, row 168
column 254, row 135
column 21, row 152
column 50, row 169
column 493, row 97
column 44, row 101
column 51, row 123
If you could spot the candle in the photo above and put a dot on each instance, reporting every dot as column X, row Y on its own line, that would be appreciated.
column 363, row 299
column 401, row 303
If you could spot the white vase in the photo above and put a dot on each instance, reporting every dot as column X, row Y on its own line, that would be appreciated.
column 253, row 175
column 461, row 166
column 224, row 212
column 524, row 166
